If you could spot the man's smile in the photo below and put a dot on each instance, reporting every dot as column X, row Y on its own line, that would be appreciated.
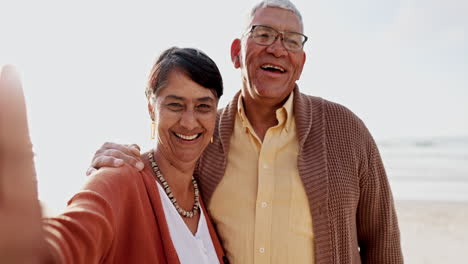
column 274, row 68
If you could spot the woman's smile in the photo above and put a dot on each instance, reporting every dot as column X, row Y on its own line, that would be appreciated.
column 187, row 137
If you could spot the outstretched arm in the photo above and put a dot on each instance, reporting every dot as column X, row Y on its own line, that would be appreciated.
column 21, row 238
column 116, row 155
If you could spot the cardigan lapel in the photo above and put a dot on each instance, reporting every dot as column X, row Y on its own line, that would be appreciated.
column 310, row 120
column 226, row 123
column 214, row 236
column 158, row 211
column 212, row 163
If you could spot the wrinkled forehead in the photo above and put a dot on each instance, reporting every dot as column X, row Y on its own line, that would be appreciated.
column 276, row 17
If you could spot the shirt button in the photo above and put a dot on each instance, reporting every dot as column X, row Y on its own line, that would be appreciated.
column 264, row 204
column 262, row 250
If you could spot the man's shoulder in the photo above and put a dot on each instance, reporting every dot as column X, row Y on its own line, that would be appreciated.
column 339, row 110
column 337, row 119
column 330, row 109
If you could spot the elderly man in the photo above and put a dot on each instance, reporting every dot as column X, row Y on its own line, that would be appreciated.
column 289, row 178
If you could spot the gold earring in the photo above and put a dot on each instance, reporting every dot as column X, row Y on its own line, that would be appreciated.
column 211, row 140
column 153, row 129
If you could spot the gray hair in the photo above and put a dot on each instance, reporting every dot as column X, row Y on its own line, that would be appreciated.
column 284, row 4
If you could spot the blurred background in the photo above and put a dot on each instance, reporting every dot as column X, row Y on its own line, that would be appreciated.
column 400, row 65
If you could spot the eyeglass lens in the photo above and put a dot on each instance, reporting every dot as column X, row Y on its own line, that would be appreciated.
column 266, row 36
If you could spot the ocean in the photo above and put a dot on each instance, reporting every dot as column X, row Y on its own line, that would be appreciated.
column 427, row 169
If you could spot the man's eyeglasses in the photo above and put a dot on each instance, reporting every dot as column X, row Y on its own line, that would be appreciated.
column 265, row 35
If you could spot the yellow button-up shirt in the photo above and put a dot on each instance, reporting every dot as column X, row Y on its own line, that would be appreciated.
column 260, row 206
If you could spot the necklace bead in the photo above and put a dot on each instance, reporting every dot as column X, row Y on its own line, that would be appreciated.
column 167, row 189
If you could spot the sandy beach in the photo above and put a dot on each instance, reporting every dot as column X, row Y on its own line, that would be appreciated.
column 433, row 231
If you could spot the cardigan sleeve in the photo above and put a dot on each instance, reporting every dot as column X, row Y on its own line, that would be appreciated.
column 377, row 225
column 84, row 232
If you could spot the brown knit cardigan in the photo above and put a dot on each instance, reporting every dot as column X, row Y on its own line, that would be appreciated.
column 351, row 204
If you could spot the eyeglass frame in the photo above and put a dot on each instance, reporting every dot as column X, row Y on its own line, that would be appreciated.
column 252, row 28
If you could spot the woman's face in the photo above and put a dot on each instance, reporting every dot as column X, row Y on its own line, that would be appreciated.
column 185, row 115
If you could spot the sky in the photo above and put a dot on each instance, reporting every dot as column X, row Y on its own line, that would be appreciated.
column 401, row 66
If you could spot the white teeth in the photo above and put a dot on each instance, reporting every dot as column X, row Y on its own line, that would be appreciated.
column 266, row 66
column 187, row 137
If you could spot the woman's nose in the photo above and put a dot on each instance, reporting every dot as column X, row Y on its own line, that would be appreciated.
column 189, row 120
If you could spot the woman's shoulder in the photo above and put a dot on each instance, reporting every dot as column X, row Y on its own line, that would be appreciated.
column 118, row 174
column 113, row 180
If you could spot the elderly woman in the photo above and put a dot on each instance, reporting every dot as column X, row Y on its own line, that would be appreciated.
column 155, row 215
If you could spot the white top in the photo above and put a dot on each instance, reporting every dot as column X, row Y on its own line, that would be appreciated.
column 194, row 249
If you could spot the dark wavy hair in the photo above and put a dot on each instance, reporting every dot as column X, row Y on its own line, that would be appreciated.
column 194, row 63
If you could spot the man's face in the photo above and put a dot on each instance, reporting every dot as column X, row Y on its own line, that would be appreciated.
column 269, row 73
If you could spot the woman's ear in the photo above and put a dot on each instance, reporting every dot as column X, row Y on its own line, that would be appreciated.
column 235, row 53
column 151, row 110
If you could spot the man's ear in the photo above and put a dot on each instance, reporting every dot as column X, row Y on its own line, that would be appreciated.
column 235, row 53
column 302, row 66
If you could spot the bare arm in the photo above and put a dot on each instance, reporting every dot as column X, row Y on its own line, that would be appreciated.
column 21, row 239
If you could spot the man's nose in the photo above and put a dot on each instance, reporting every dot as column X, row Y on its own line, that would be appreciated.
column 277, row 47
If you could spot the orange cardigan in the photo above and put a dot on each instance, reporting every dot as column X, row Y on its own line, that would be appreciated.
column 117, row 218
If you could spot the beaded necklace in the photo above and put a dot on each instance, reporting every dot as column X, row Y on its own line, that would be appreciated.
column 182, row 212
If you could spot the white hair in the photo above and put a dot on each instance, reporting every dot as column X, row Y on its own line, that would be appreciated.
column 284, row 4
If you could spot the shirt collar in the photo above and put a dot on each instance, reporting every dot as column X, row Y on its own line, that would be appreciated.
column 287, row 110
column 241, row 113
column 284, row 114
